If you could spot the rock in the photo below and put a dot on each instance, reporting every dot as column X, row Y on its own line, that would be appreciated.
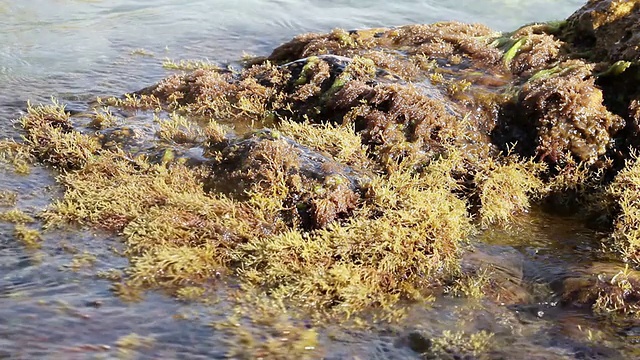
column 319, row 190
column 609, row 30
column 418, row 342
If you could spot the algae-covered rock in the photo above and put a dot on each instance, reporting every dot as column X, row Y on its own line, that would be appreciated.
column 531, row 48
column 608, row 30
column 607, row 33
column 606, row 288
column 564, row 109
column 316, row 189
column 440, row 40
column 279, row 216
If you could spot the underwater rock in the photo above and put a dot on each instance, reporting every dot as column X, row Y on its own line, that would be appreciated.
column 504, row 266
column 419, row 342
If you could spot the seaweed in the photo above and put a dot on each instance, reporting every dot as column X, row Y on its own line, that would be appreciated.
column 346, row 172
column 563, row 113
column 622, row 201
column 504, row 189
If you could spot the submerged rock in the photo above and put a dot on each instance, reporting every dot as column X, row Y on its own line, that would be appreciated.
column 504, row 266
column 606, row 288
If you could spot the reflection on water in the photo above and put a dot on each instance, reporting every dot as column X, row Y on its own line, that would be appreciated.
column 53, row 304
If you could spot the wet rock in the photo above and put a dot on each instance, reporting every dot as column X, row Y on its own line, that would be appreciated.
column 318, row 189
column 418, row 342
column 561, row 111
column 606, row 288
column 608, row 30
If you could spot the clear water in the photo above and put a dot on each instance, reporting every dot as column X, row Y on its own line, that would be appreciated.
column 79, row 49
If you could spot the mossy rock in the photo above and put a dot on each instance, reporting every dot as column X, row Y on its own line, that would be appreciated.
column 608, row 30
column 319, row 189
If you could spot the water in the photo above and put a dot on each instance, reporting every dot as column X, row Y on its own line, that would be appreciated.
column 53, row 304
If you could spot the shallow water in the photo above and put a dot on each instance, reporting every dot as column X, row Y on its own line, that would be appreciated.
column 53, row 303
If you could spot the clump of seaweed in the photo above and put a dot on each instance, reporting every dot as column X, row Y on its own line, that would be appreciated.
column 563, row 112
column 473, row 285
column 576, row 187
column 16, row 216
column 456, row 345
column 532, row 49
column 260, row 327
column 50, row 137
column 180, row 130
column 128, row 344
column 81, row 261
column 102, row 118
column 404, row 240
column 349, row 85
column 250, row 98
column 176, row 233
column 299, row 186
column 505, row 188
column 189, row 65
column 8, row 198
column 604, row 32
column 339, row 141
column 17, row 155
column 31, row 238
